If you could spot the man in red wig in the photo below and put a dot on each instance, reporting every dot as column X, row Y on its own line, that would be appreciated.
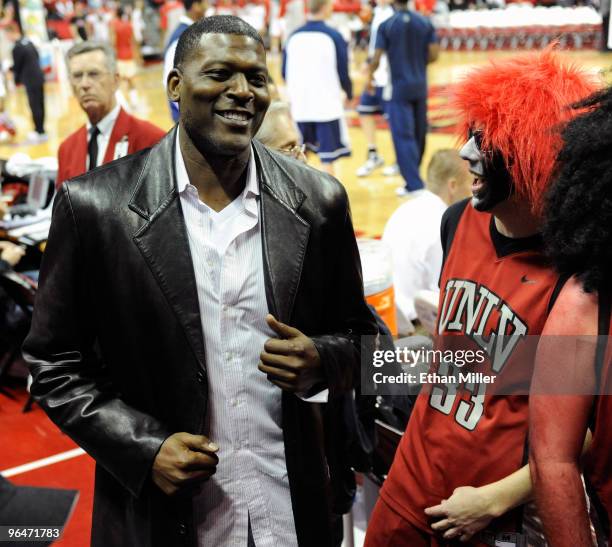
column 459, row 469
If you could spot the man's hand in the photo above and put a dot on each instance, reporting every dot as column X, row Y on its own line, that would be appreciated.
column 290, row 361
column 11, row 253
column 4, row 205
column 370, row 88
column 465, row 513
column 182, row 461
column 373, row 66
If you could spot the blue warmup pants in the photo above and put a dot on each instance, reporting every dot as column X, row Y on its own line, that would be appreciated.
column 408, row 123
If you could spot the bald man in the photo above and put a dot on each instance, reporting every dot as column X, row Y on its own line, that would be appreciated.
column 279, row 132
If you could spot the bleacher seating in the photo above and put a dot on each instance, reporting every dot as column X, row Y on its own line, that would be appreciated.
column 519, row 26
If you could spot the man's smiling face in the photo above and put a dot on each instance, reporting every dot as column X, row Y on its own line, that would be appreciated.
column 492, row 183
column 223, row 93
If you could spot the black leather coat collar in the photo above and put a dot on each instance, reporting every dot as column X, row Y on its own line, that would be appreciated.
column 156, row 184
column 163, row 242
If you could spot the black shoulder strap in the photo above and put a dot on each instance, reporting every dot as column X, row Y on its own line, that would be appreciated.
column 448, row 227
column 556, row 291
column 598, row 513
column 603, row 330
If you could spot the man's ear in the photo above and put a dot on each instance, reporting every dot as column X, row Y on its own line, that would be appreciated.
column 452, row 185
column 173, row 85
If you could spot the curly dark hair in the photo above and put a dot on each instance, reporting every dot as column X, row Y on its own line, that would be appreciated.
column 578, row 209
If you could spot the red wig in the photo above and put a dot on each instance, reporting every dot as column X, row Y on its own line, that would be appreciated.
column 521, row 104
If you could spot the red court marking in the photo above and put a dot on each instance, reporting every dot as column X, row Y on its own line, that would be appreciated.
column 74, row 474
column 25, row 438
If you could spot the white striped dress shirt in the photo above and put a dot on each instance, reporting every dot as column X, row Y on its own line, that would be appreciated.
column 244, row 408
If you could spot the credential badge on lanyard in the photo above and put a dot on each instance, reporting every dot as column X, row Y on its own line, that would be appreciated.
column 121, row 148
column 503, row 539
column 509, row 540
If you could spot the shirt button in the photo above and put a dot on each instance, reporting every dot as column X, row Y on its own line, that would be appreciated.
column 224, row 307
column 228, row 355
column 200, row 377
column 182, row 529
column 234, row 402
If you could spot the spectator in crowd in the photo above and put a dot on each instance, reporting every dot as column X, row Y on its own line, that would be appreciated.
column 10, row 255
column 13, row 323
column 315, row 67
column 27, row 71
column 255, row 13
column 279, row 132
column 374, row 104
column 170, row 14
column 138, row 25
column 495, row 281
column 7, row 126
column 604, row 9
column 194, row 10
column 127, row 52
column 173, row 373
column 151, row 32
column 292, row 15
column 79, row 20
column 572, row 386
column 58, row 22
column 110, row 132
column 413, row 232
column 99, row 23
column 409, row 42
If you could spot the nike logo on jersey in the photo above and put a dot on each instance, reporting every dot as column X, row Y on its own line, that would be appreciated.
column 524, row 279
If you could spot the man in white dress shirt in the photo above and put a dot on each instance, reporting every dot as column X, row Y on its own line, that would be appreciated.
column 412, row 233
column 192, row 297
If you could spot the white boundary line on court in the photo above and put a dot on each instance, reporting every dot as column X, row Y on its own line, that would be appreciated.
column 62, row 456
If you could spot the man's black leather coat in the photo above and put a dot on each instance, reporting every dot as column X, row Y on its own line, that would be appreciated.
column 116, row 346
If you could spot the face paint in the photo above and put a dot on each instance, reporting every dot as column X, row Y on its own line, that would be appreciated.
column 492, row 183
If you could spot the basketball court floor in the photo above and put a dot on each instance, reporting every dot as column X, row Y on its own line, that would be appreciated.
column 33, row 451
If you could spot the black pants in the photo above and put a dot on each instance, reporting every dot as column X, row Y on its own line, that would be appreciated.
column 605, row 29
column 36, row 99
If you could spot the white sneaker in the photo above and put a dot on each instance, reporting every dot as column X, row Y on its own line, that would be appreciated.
column 31, row 137
column 35, row 138
column 372, row 163
column 391, row 170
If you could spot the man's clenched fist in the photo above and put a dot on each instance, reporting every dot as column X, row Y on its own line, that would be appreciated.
column 291, row 361
column 183, row 461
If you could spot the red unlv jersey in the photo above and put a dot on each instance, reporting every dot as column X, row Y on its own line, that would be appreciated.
column 491, row 285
